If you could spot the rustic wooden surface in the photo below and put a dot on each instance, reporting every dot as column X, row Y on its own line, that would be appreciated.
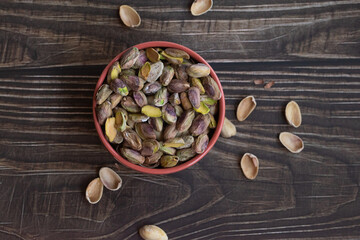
column 51, row 54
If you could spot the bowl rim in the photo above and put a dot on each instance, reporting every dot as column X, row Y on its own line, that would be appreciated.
column 184, row 165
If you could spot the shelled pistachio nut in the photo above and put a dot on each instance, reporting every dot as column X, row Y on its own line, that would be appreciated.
column 156, row 70
column 103, row 111
column 198, row 70
column 178, row 86
column 194, row 97
column 151, row 88
column 203, row 109
column 200, row 124
column 151, row 111
column 157, row 123
column 129, row 58
column 169, row 114
column 170, row 131
column 185, row 120
column 118, row 86
column 185, row 102
column 174, row 142
column 129, row 104
column 185, row 154
column 211, row 87
column 133, row 139
column 138, row 117
column 132, row 156
column 167, row 75
column 201, row 143
column 140, row 98
column 135, row 83
column 113, row 72
column 195, row 82
column 103, row 93
column 169, row 161
column 177, row 53
column 161, row 97
column 115, row 99
column 145, row 131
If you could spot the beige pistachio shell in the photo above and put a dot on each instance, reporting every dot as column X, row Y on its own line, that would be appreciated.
column 129, row 16
column 292, row 142
column 152, row 232
column 110, row 179
column 245, row 108
column 249, row 165
column 94, row 191
column 293, row 114
column 228, row 130
column 200, row 7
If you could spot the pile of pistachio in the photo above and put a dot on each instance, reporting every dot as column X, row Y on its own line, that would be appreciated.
column 158, row 106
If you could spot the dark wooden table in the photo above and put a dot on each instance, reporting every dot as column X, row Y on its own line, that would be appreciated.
column 51, row 54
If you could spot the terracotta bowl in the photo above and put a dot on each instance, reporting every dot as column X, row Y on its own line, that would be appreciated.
column 184, row 165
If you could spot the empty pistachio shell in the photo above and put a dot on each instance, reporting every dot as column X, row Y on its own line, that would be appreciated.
column 154, row 158
column 195, row 82
column 185, row 102
column 292, row 142
column 132, row 156
column 203, row 109
column 119, row 109
column 171, row 59
column 250, row 165
column 200, row 124
column 118, row 86
column 245, row 107
column 228, row 130
column 167, row 75
column 185, row 154
column 115, row 99
column 174, row 142
column 207, row 100
column 129, row 104
column 129, row 58
column 185, row 120
column 113, row 72
column 189, row 140
column 168, row 150
column 142, row 59
column 200, row 7
column 152, row 232
column 138, row 117
column 157, row 123
column 94, row 191
column 103, row 93
column 156, row 70
column 151, row 111
column 161, row 97
column 194, row 96
column 174, row 52
column 152, row 55
column 103, row 111
column 178, row 110
column 178, row 86
column 110, row 129
column 145, row 131
column 169, row 114
column 133, row 139
column 135, row 83
column 169, row 161
column 140, row 98
column 129, row 16
column 180, row 72
column 151, row 88
column 211, row 87
column 198, row 70
column 293, row 114
column 170, row 131
column 174, row 99
column 120, row 120
column 201, row 143
column 110, row 179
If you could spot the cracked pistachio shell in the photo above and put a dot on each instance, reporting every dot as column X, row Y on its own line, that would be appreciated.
column 249, row 165
column 150, row 147
column 169, row 114
column 292, row 142
column 180, row 72
column 119, row 109
column 138, row 117
column 152, row 232
column 151, row 88
column 198, row 70
column 174, row 99
column 145, row 131
column 145, row 70
column 189, row 140
column 211, row 87
column 151, row 111
column 94, row 191
column 157, row 123
column 161, row 97
column 245, row 108
column 228, row 129
column 152, row 55
column 174, row 52
column 194, row 97
column 212, row 123
column 140, row 98
column 195, row 82
column 132, row 156
column 168, row 150
column 185, row 102
column 129, row 104
column 169, row 161
column 110, row 130
column 200, row 7
column 135, row 83
column 201, row 143
column 129, row 58
column 170, row 131
column 153, row 159
column 167, row 75
column 103, row 93
column 185, row 154
column 203, row 109
column 178, row 86
column 110, row 179
column 133, row 139
column 115, row 99
column 178, row 110
column 118, row 86
column 200, row 124
column 174, row 142
column 103, row 111
column 207, row 100
column 171, row 59
column 293, row 114
column 156, row 70
column 129, row 16
column 185, row 120
column 113, row 72
column 142, row 59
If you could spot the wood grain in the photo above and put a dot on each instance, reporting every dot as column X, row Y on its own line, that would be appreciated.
column 51, row 54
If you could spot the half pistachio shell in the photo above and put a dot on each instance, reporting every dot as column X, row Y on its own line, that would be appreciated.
column 292, row 142
column 249, row 165
column 110, row 179
column 228, row 130
column 152, row 232
column 200, row 7
column 245, row 108
column 129, row 16
column 94, row 191
column 293, row 114
column 110, row 129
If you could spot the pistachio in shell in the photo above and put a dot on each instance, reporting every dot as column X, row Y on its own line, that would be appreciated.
column 140, row 98
column 129, row 16
column 211, row 87
column 198, row 70
column 110, row 129
column 249, row 165
column 189, row 140
column 167, row 161
column 185, row 102
column 115, row 99
column 161, row 97
column 145, row 70
column 113, row 72
column 157, row 123
column 185, row 154
column 110, row 179
column 133, row 139
column 151, row 88
column 174, row 99
column 194, row 97
column 145, row 131
column 138, row 117
column 196, row 82
column 174, row 142
column 135, row 83
column 167, row 75
column 180, row 72
column 156, row 70
column 118, row 86
column 185, row 120
column 132, row 156
column 129, row 58
column 200, row 7
column 201, row 143
column 171, row 59
column 245, row 108
column 178, row 110
column 142, row 59
column 153, row 159
column 94, row 191
column 129, row 104
column 292, row 142
column 151, row 111
column 103, row 111
column 200, row 124
column 178, row 86
column 293, row 114
column 174, row 52
column 203, row 109
column 170, row 131
column 169, row 114
column 152, row 55
column 103, row 93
